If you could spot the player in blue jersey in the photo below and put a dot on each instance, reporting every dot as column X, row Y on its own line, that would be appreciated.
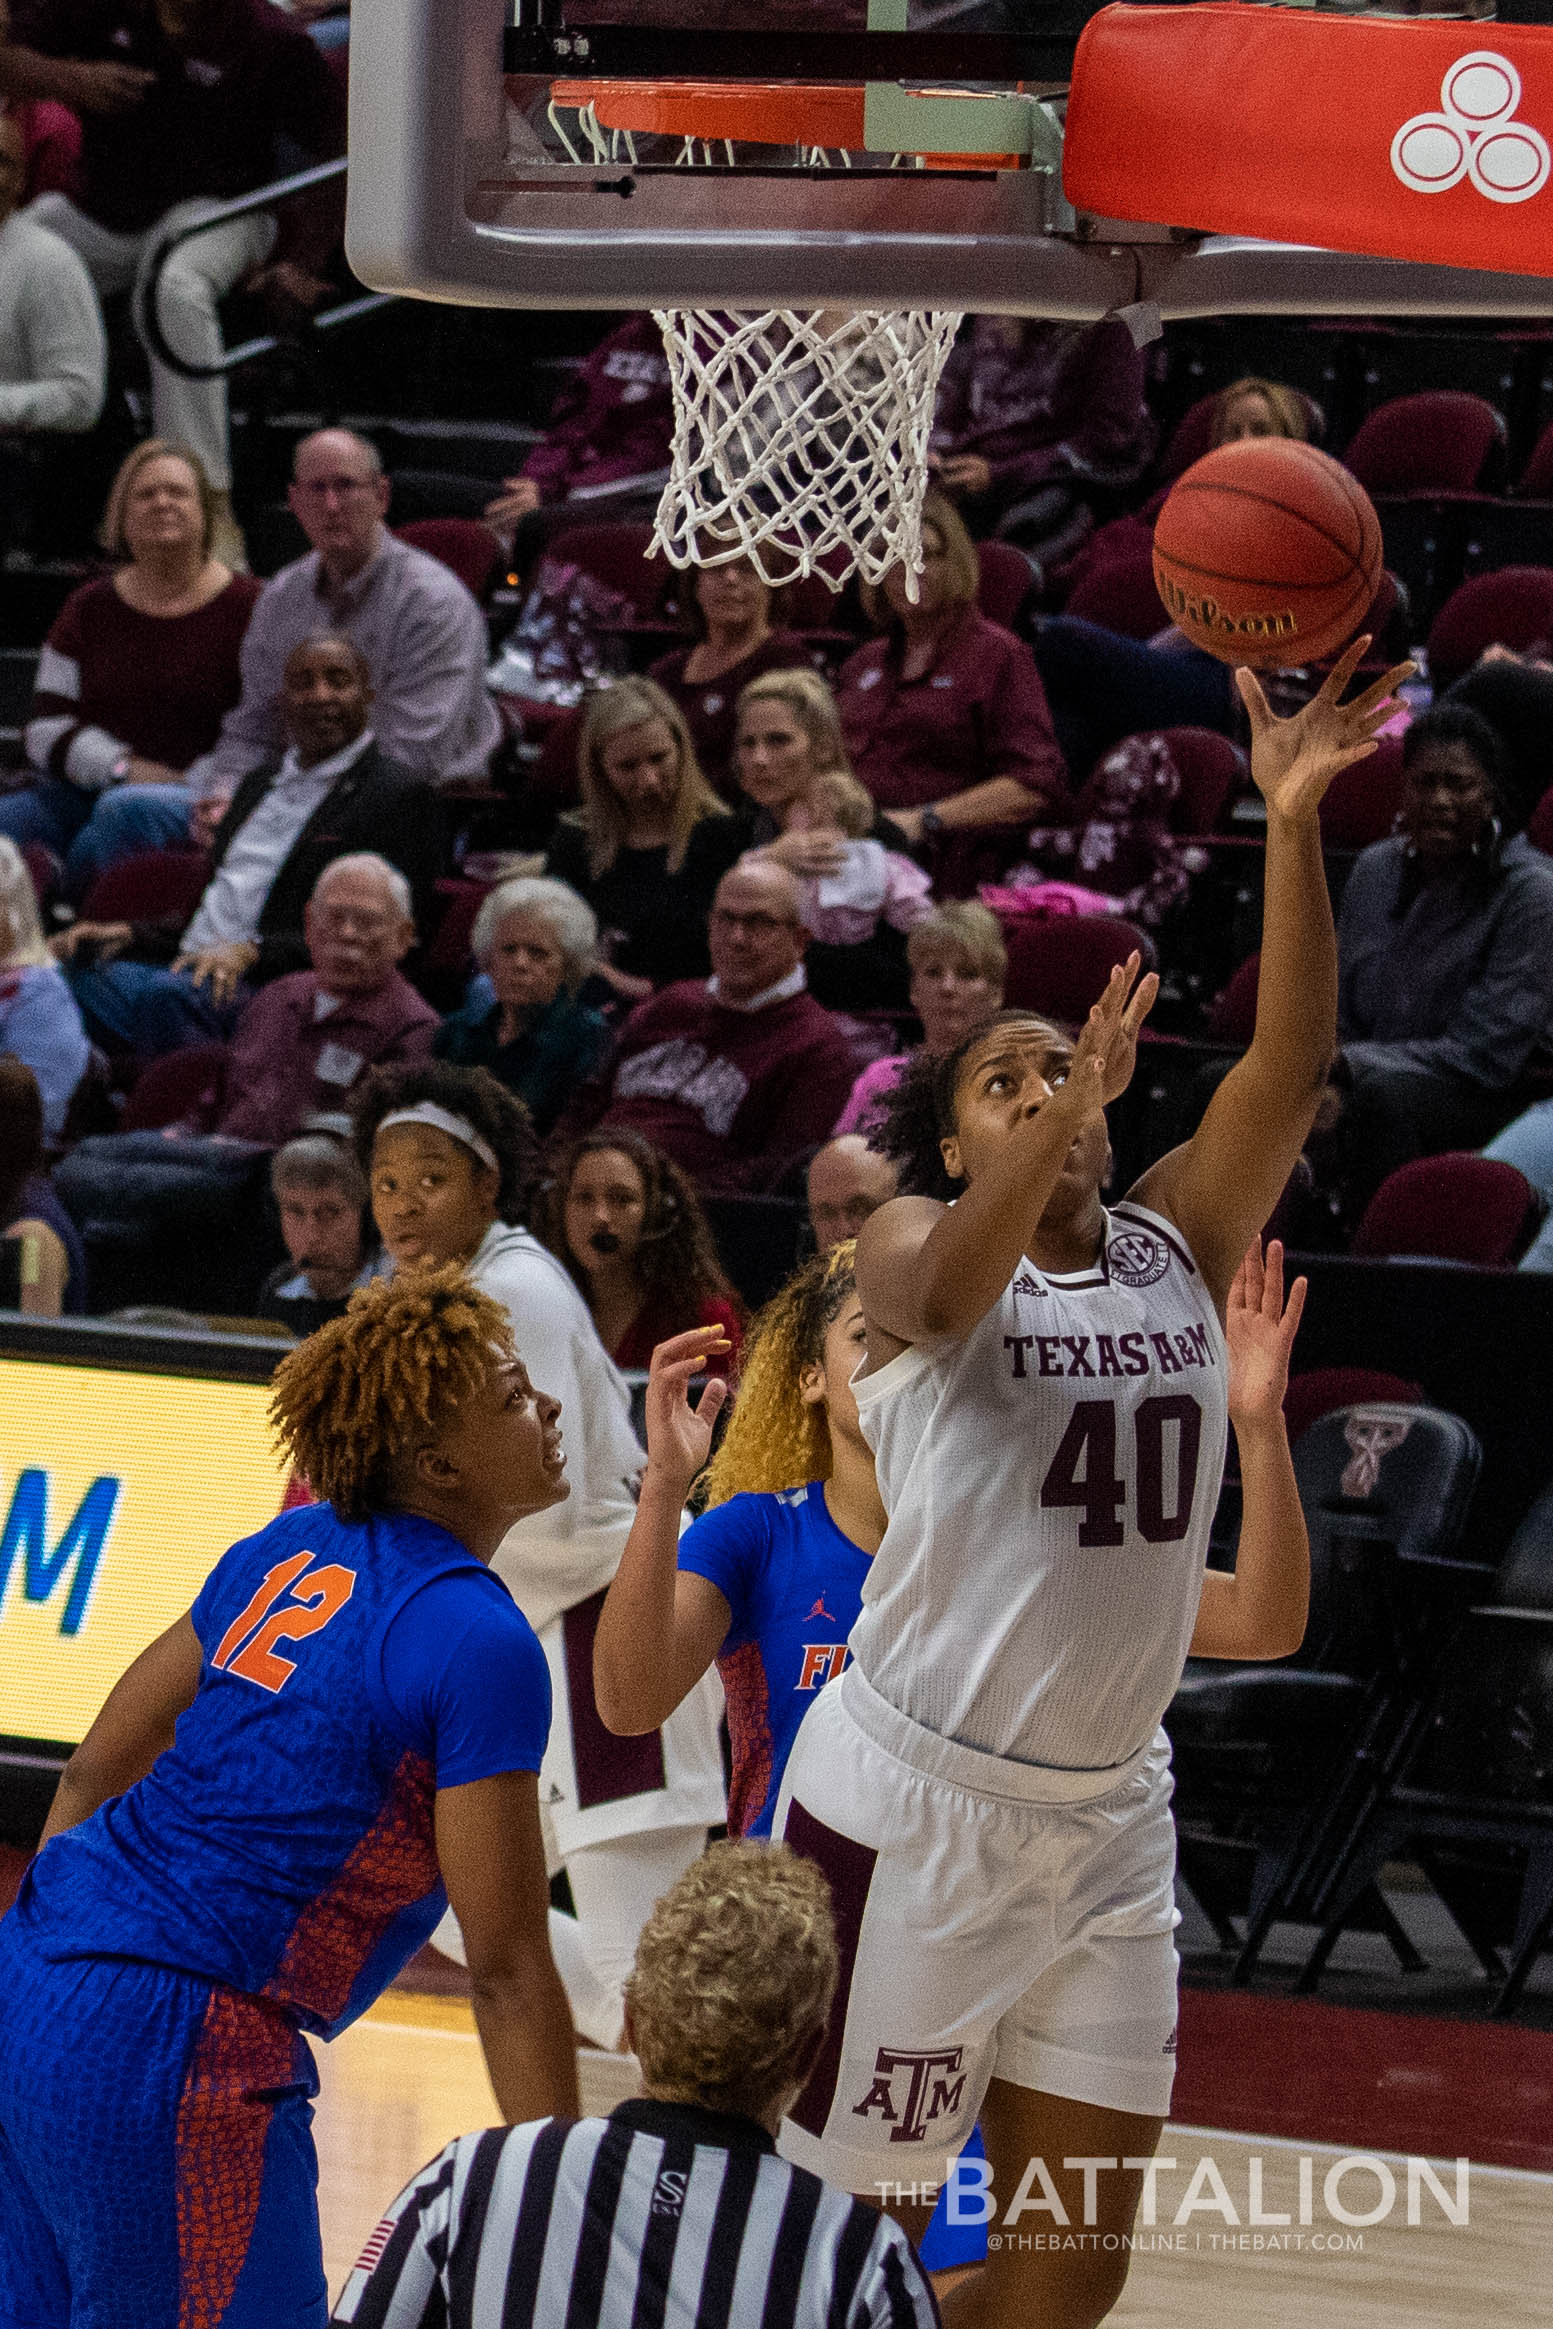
column 265, row 1823
column 770, row 1579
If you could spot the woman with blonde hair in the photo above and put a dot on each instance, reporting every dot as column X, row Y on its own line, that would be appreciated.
column 729, row 610
column 769, row 1581
column 650, row 842
column 958, row 966
column 1252, row 407
column 40, row 1023
column 135, row 676
column 945, row 716
column 807, row 811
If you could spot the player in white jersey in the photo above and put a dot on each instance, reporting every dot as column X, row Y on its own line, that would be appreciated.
column 987, row 1786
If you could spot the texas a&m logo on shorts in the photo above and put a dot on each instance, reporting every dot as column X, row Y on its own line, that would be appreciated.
column 1135, row 1258
column 912, row 2090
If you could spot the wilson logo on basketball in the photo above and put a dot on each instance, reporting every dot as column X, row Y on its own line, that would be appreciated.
column 1205, row 614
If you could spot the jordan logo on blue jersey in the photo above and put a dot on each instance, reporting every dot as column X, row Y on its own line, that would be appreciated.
column 820, row 1610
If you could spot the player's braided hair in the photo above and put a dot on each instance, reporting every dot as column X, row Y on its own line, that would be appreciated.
column 773, row 1441
column 919, row 1112
column 352, row 1398
column 735, row 1971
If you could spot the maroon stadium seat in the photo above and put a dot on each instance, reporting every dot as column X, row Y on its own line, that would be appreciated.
column 1441, row 441
column 1510, row 608
column 154, row 884
column 1536, row 479
column 1321, row 1390
column 617, row 557
column 1059, row 967
column 1212, row 769
column 465, row 546
column 1120, row 595
column 1231, row 1015
column 1454, row 1208
column 181, row 1083
column 1005, row 581
column 1360, row 805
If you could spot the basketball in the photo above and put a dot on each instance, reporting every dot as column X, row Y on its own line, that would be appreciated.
column 1267, row 552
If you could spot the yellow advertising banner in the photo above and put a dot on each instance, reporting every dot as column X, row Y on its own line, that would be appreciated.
column 119, row 1492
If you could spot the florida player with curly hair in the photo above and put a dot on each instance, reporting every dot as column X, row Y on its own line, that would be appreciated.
column 266, row 1821
column 1045, row 1394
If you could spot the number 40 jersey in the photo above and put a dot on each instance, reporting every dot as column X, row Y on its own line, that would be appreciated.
column 1050, row 1480
column 283, row 1844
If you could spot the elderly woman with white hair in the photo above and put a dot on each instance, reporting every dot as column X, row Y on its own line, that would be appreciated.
column 535, row 939
column 40, row 1023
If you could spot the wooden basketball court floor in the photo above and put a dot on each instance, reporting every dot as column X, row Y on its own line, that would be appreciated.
column 409, row 2076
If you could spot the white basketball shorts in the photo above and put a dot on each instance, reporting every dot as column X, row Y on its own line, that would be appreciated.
column 996, row 1920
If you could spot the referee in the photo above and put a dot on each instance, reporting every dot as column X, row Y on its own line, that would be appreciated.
column 675, row 2210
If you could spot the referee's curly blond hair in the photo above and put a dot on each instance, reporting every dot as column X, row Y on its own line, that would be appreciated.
column 734, row 1976
column 348, row 1402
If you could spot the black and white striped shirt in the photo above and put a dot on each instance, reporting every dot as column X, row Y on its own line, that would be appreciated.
column 661, row 2216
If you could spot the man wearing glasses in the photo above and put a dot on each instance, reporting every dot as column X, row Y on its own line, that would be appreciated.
column 421, row 634
column 737, row 1075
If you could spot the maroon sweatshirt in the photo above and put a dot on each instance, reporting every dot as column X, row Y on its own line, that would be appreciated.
column 614, row 420
column 980, row 711
column 732, row 1096
column 287, row 1063
column 159, row 684
column 711, row 707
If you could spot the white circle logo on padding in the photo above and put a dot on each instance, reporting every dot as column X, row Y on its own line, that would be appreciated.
column 1475, row 135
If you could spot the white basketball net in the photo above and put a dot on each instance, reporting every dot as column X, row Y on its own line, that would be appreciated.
column 800, row 440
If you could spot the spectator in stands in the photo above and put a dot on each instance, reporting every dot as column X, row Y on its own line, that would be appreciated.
column 847, row 1180
column 320, row 1193
column 51, row 145
column 53, row 353
column 1514, row 694
column 535, row 940
column 1445, row 948
column 730, row 610
column 226, row 80
column 726, row 2008
column 958, row 965
column 136, row 674
column 40, row 1023
column 334, row 793
column 51, row 1266
column 945, row 716
column 736, row 1075
column 1251, row 407
column 300, row 1049
column 650, row 842
column 629, row 1226
column 859, row 893
column 607, row 445
column 1030, row 417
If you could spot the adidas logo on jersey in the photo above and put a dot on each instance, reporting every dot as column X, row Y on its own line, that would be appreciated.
column 1025, row 1284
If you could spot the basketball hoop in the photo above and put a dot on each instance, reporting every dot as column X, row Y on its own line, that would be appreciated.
column 800, row 436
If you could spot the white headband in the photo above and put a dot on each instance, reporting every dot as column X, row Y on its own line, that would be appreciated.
column 443, row 1120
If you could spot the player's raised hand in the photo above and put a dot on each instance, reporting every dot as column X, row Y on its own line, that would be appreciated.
column 1259, row 1327
column 1132, row 1003
column 1293, row 761
column 679, row 1436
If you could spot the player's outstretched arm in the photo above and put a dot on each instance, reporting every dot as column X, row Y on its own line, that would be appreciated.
column 1260, row 1611
column 135, row 1725
column 660, row 1627
column 1222, row 1186
column 926, row 1270
column 492, row 1855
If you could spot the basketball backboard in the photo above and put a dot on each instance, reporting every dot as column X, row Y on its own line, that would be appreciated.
column 545, row 153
